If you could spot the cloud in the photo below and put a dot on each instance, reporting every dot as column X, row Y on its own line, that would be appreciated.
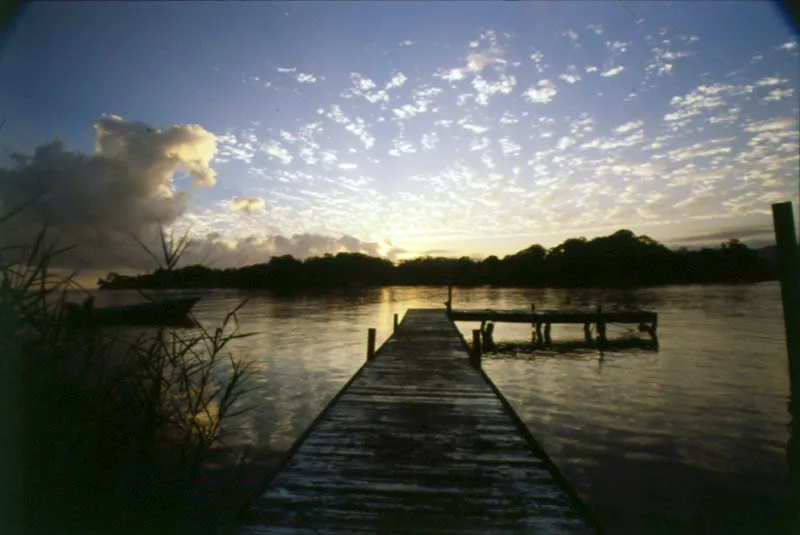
column 788, row 45
column 407, row 42
column 628, row 127
column 277, row 151
column 246, row 205
column 613, row 71
column 305, row 78
column 571, row 76
column 778, row 94
column 429, row 141
column 596, row 29
column 232, row 147
column 286, row 69
column 723, row 235
column 476, row 61
column 573, row 37
column 542, row 93
column 259, row 248
column 97, row 200
column 397, row 80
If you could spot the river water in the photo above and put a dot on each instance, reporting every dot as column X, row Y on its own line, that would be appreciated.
column 687, row 439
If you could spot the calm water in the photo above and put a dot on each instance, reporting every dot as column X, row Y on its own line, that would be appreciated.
column 687, row 439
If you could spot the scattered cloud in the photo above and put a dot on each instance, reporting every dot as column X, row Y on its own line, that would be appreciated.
column 613, row 71
column 305, row 78
column 277, row 151
column 542, row 93
column 628, row 127
column 246, row 205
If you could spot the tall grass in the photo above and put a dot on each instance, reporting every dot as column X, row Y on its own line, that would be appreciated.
column 113, row 429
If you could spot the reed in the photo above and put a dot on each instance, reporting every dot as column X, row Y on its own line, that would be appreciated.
column 113, row 430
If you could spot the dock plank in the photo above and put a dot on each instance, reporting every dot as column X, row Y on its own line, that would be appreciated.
column 418, row 442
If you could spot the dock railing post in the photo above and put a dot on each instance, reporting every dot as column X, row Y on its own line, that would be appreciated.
column 394, row 329
column 475, row 355
column 488, row 340
column 786, row 240
column 370, row 344
column 449, row 298
column 601, row 325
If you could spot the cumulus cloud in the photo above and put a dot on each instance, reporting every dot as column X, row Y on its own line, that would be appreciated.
column 98, row 200
column 246, row 205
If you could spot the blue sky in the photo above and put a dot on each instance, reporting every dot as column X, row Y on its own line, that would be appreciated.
column 400, row 128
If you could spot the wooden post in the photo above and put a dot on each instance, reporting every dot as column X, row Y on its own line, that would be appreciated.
column 601, row 326
column 653, row 329
column 475, row 355
column 449, row 298
column 533, row 324
column 547, row 340
column 370, row 344
column 783, row 221
column 488, row 341
column 395, row 323
column 587, row 332
column 539, row 337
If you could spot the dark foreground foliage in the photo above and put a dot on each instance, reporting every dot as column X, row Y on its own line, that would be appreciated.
column 107, row 431
column 616, row 261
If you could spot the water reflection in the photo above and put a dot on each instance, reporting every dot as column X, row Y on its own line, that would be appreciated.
column 687, row 439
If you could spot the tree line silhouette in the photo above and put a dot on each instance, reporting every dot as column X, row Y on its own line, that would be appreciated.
column 621, row 260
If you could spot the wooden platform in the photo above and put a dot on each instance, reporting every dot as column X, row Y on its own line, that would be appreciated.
column 418, row 442
column 555, row 316
column 538, row 318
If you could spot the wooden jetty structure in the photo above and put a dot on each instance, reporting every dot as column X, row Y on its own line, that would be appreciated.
column 418, row 441
column 542, row 320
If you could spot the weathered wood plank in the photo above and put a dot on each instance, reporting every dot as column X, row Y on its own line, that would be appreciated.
column 417, row 443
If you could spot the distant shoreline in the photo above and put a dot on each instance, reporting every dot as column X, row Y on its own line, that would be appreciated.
column 621, row 260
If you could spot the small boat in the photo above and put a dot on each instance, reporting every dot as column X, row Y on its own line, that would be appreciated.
column 160, row 312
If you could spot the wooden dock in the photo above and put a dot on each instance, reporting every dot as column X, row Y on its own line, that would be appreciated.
column 538, row 318
column 419, row 441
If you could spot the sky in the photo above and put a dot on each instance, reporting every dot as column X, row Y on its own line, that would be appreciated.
column 395, row 128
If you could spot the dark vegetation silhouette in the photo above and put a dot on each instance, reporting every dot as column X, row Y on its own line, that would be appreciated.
column 110, row 431
column 621, row 260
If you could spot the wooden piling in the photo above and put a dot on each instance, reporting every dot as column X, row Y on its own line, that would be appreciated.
column 449, row 297
column 653, row 330
column 488, row 341
column 396, row 319
column 533, row 325
column 786, row 240
column 547, row 340
column 587, row 332
column 370, row 344
column 783, row 220
column 601, row 326
column 475, row 355
column 539, row 337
